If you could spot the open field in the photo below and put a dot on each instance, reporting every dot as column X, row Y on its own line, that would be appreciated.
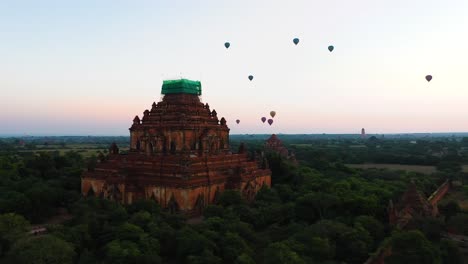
column 415, row 168
column 82, row 149
column 84, row 152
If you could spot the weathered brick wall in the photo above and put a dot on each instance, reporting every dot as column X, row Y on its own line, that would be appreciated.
column 439, row 193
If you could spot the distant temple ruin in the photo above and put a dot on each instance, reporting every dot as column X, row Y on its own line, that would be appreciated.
column 275, row 145
column 413, row 203
column 179, row 156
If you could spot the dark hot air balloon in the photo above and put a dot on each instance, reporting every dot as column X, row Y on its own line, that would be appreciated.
column 227, row 45
column 296, row 41
column 428, row 78
column 270, row 121
column 273, row 113
column 237, row 121
column 263, row 119
column 330, row 48
column 250, row 77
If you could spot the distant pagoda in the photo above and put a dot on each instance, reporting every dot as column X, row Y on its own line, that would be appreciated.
column 179, row 156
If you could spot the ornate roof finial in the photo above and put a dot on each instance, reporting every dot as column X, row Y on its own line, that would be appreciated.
column 136, row 120
column 223, row 121
column 145, row 115
column 213, row 113
column 153, row 106
column 114, row 150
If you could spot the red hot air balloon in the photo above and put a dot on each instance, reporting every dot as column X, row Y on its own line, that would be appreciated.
column 270, row 121
column 428, row 78
column 273, row 113
column 237, row 121
column 263, row 119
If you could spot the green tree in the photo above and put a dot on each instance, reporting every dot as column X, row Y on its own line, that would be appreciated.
column 230, row 197
column 141, row 219
column 449, row 209
column 86, row 257
column 353, row 246
column 232, row 246
column 317, row 205
column 80, row 237
column 450, row 253
column 207, row 257
column 372, row 225
column 149, row 206
column 244, row 259
column 457, row 224
column 412, row 247
column 46, row 249
column 318, row 248
column 213, row 211
column 12, row 228
column 192, row 243
column 279, row 252
column 118, row 251
column 129, row 232
column 431, row 227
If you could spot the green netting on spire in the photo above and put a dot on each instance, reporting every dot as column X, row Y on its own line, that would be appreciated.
column 181, row 86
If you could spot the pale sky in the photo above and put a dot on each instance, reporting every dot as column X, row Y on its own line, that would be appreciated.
column 88, row 67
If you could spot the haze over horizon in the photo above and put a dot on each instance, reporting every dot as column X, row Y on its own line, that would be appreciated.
column 87, row 68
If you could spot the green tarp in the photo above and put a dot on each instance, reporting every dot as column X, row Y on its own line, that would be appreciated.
column 181, row 86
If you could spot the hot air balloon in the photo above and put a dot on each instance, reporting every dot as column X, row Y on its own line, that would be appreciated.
column 273, row 113
column 237, row 121
column 330, row 48
column 227, row 45
column 296, row 41
column 428, row 78
column 263, row 119
column 250, row 77
column 270, row 121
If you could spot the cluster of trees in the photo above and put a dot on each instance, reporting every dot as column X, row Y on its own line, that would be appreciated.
column 395, row 151
column 36, row 185
column 325, row 213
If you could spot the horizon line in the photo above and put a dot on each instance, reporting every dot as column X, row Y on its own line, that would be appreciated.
column 241, row 134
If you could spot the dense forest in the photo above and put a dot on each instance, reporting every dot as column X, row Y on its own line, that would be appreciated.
column 319, row 211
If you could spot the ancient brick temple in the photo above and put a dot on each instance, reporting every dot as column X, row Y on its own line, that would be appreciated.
column 411, row 204
column 274, row 144
column 179, row 156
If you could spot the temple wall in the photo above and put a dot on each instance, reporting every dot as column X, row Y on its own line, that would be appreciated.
column 135, row 137
column 259, row 182
column 99, row 188
column 439, row 193
column 185, row 197
column 183, row 138
column 88, row 183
